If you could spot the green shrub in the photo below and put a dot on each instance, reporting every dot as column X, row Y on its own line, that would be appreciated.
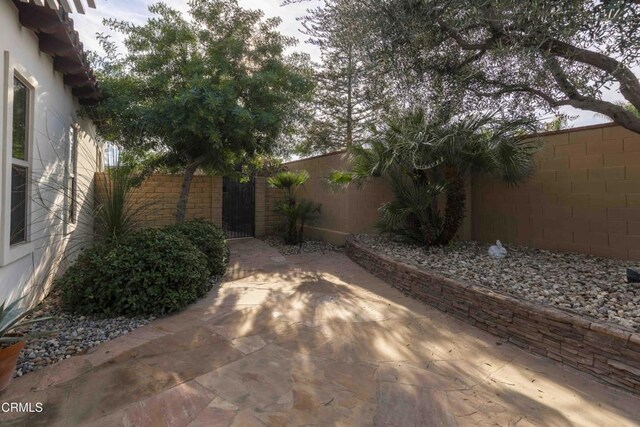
column 297, row 212
column 207, row 237
column 148, row 272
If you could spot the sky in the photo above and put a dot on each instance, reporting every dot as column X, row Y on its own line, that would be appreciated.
column 137, row 11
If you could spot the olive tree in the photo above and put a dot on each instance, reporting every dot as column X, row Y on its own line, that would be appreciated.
column 514, row 55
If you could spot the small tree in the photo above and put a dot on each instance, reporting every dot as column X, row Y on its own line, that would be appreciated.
column 424, row 156
column 207, row 91
column 297, row 212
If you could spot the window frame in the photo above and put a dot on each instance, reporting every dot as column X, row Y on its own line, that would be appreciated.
column 25, row 163
column 71, row 216
column 12, row 252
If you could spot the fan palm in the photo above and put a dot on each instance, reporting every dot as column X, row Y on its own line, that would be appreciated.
column 423, row 157
column 296, row 212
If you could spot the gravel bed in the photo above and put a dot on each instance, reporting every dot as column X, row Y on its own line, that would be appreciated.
column 308, row 246
column 71, row 334
column 585, row 284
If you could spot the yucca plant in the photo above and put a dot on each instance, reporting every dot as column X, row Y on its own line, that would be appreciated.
column 424, row 156
column 119, row 208
column 297, row 212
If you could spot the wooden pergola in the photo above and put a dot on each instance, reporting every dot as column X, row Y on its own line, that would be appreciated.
column 64, row 5
column 50, row 20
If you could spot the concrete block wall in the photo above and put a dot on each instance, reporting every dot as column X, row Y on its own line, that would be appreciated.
column 584, row 196
column 272, row 220
column 344, row 211
column 158, row 197
column 260, row 206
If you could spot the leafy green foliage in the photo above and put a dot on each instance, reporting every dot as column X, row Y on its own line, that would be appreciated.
column 288, row 181
column 424, row 156
column 206, row 90
column 350, row 95
column 297, row 212
column 208, row 238
column 150, row 272
column 518, row 56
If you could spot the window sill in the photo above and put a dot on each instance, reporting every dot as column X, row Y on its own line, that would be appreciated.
column 15, row 252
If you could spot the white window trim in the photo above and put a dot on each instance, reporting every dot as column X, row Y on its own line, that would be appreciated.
column 10, row 253
column 73, row 132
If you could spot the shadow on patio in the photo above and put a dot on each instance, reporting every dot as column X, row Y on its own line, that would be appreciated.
column 313, row 339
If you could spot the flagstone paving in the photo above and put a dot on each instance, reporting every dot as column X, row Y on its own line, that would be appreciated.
column 312, row 340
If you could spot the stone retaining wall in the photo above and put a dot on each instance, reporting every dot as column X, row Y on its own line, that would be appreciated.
column 608, row 352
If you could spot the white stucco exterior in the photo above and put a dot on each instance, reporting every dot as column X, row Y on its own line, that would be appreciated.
column 52, row 240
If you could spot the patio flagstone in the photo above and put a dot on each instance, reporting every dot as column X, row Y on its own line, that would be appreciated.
column 312, row 339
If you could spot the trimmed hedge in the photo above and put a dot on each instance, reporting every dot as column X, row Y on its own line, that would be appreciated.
column 207, row 237
column 150, row 272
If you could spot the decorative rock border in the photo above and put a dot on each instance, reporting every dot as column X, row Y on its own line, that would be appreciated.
column 608, row 352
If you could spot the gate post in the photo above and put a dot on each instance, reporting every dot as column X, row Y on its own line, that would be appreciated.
column 216, row 200
column 260, row 206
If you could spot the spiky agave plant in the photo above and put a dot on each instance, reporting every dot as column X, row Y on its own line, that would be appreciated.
column 12, row 317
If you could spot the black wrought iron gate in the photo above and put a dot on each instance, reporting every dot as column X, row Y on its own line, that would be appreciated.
column 238, row 208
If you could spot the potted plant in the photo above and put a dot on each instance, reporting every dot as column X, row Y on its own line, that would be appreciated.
column 12, row 343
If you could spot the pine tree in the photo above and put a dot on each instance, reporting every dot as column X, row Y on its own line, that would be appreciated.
column 350, row 95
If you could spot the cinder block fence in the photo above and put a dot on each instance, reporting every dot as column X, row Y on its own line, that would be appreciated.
column 159, row 194
column 584, row 197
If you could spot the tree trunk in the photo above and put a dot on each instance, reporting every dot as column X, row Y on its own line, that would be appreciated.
column 349, row 136
column 455, row 210
column 181, row 211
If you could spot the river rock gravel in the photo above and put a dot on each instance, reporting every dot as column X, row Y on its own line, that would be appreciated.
column 308, row 246
column 588, row 285
column 67, row 334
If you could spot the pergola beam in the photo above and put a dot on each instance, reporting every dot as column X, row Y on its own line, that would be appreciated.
column 66, row 6
column 53, row 4
column 79, row 6
column 50, row 21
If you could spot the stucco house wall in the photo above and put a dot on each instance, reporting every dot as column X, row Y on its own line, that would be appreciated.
column 52, row 237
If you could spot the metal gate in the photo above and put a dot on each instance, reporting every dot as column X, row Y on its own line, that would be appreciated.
column 238, row 208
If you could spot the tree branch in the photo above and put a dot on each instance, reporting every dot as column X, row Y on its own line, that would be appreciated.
column 460, row 41
column 618, row 113
column 629, row 83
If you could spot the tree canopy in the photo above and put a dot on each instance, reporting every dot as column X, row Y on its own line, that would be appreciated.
column 208, row 90
column 514, row 55
column 350, row 94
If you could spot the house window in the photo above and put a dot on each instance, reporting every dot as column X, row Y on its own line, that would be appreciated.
column 73, row 170
column 19, row 163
